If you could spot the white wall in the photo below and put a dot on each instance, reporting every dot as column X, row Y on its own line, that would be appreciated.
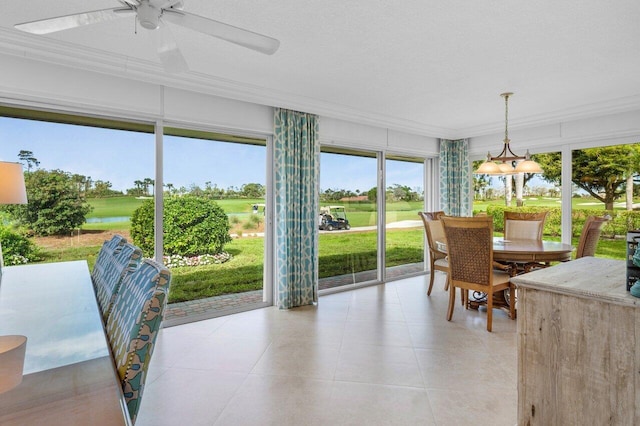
column 28, row 83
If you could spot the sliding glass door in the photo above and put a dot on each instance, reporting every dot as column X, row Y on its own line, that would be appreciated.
column 215, row 221
column 404, row 232
column 348, row 218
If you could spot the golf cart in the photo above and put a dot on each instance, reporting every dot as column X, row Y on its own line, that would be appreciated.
column 333, row 217
column 257, row 208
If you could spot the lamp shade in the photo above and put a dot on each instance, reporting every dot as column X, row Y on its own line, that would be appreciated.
column 488, row 168
column 528, row 166
column 12, row 350
column 12, row 189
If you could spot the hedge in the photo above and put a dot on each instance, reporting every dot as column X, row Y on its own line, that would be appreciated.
column 621, row 220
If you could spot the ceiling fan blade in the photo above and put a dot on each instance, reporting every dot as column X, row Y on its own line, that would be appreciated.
column 227, row 32
column 169, row 52
column 46, row 26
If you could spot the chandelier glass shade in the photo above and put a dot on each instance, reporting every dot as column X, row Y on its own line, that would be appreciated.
column 507, row 162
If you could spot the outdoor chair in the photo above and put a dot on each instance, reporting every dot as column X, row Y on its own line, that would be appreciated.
column 470, row 252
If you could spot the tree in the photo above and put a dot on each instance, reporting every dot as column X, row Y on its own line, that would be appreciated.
column 372, row 194
column 102, row 188
column 55, row 206
column 601, row 172
column 27, row 156
column 170, row 188
column 252, row 190
column 146, row 183
column 137, row 190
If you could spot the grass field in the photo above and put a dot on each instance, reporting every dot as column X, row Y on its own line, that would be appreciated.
column 339, row 253
column 113, row 206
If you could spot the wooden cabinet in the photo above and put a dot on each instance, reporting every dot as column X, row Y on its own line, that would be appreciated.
column 578, row 345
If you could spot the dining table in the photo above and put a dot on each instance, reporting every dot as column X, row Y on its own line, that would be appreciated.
column 520, row 251
column 69, row 376
column 514, row 252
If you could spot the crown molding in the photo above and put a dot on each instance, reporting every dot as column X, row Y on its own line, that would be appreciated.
column 56, row 52
column 37, row 48
column 609, row 107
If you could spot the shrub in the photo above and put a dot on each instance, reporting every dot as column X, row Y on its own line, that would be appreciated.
column 253, row 222
column 621, row 220
column 192, row 226
column 16, row 248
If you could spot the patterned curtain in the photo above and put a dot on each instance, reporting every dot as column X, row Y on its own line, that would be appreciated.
column 297, row 157
column 455, row 179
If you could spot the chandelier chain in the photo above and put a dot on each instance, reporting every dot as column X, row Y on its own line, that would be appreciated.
column 506, row 117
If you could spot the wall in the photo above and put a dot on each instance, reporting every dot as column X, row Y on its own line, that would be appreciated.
column 29, row 83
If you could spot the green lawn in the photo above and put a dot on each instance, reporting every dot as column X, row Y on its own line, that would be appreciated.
column 340, row 253
column 113, row 206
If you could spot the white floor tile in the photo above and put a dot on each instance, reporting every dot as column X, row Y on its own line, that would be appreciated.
column 383, row 355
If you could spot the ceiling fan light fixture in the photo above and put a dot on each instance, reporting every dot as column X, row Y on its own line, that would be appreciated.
column 148, row 15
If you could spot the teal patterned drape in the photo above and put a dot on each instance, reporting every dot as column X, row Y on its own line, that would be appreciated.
column 297, row 156
column 455, row 178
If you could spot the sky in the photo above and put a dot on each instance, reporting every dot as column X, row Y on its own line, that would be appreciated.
column 122, row 157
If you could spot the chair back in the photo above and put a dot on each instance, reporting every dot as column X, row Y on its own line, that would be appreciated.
column 109, row 247
column 470, row 248
column 433, row 228
column 590, row 236
column 109, row 271
column 133, row 326
column 524, row 226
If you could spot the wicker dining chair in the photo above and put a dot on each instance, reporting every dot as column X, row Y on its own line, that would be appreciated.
column 524, row 226
column 590, row 236
column 435, row 232
column 470, row 251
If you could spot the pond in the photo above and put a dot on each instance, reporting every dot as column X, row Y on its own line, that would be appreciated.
column 108, row 219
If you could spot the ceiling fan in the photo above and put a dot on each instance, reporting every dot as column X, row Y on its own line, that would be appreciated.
column 151, row 14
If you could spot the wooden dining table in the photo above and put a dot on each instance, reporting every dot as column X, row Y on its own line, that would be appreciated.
column 69, row 376
column 525, row 250
column 521, row 251
column 512, row 252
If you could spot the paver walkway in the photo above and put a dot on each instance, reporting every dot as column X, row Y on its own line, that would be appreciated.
column 195, row 310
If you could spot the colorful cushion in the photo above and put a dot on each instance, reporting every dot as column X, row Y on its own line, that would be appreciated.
column 133, row 325
column 108, row 249
column 107, row 275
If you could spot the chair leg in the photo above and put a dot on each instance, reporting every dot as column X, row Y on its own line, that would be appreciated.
column 452, row 301
column 489, row 311
column 446, row 283
column 432, row 271
column 463, row 296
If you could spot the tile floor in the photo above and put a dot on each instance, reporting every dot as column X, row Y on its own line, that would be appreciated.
column 382, row 355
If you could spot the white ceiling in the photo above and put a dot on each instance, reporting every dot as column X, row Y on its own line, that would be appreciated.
column 431, row 67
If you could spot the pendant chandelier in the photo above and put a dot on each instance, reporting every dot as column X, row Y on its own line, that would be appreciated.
column 508, row 163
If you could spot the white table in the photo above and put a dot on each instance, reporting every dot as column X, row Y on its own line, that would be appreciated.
column 69, row 375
